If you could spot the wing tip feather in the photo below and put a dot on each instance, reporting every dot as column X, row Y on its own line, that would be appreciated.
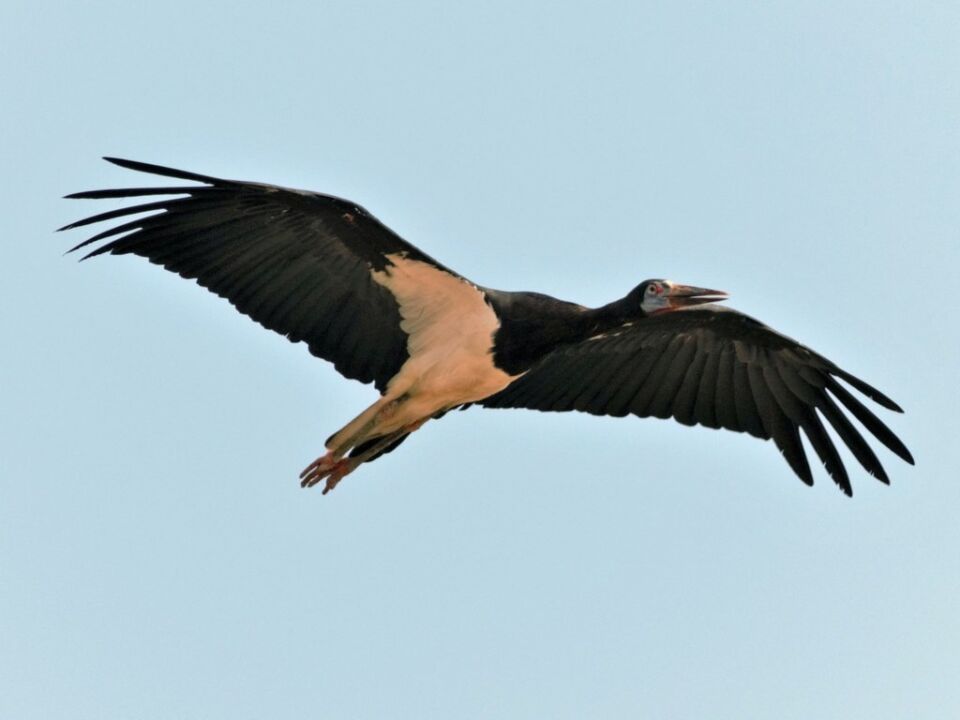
column 867, row 389
column 152, row 169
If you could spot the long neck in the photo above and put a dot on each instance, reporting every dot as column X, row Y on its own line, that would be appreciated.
column 607, row 317
column 534, row 325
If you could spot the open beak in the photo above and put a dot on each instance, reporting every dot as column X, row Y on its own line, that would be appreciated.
column 680, row 296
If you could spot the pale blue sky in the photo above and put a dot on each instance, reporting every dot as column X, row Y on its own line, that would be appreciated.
column 158, row 558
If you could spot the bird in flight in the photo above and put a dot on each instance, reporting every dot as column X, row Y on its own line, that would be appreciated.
column 322, row 270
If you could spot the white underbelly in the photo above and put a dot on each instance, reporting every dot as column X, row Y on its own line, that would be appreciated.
column 440, row 381
column 450, row 330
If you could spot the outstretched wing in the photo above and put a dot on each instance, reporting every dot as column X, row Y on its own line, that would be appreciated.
column 297, row 262
column 715, row 367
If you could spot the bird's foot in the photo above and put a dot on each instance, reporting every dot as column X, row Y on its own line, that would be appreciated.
column 331, row 467
column 334, row 466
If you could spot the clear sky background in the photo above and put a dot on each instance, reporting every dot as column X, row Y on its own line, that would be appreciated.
column 157, row 556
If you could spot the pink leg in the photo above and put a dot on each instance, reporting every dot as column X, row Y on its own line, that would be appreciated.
column 328, row 465
column 334, row 467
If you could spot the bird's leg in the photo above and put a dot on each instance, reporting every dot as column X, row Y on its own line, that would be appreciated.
column 364, row 425
column 381, row 445
column 333, row 465
column 351, row 435
column 334, row 469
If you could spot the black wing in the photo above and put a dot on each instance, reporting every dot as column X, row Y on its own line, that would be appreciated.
column 297, row 262
column 715, row 367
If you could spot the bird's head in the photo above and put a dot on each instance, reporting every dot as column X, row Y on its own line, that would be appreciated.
column 659, row 296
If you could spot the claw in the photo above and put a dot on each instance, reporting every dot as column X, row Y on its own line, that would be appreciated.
column 341, row 470
column 320, row 468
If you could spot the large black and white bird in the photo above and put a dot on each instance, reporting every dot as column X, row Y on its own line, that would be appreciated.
column 322, row 270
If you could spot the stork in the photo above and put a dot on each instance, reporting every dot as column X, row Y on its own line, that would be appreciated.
column 322, row 270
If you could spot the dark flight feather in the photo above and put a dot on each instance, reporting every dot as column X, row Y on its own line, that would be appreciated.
column 715, row 367
column 297, row 262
